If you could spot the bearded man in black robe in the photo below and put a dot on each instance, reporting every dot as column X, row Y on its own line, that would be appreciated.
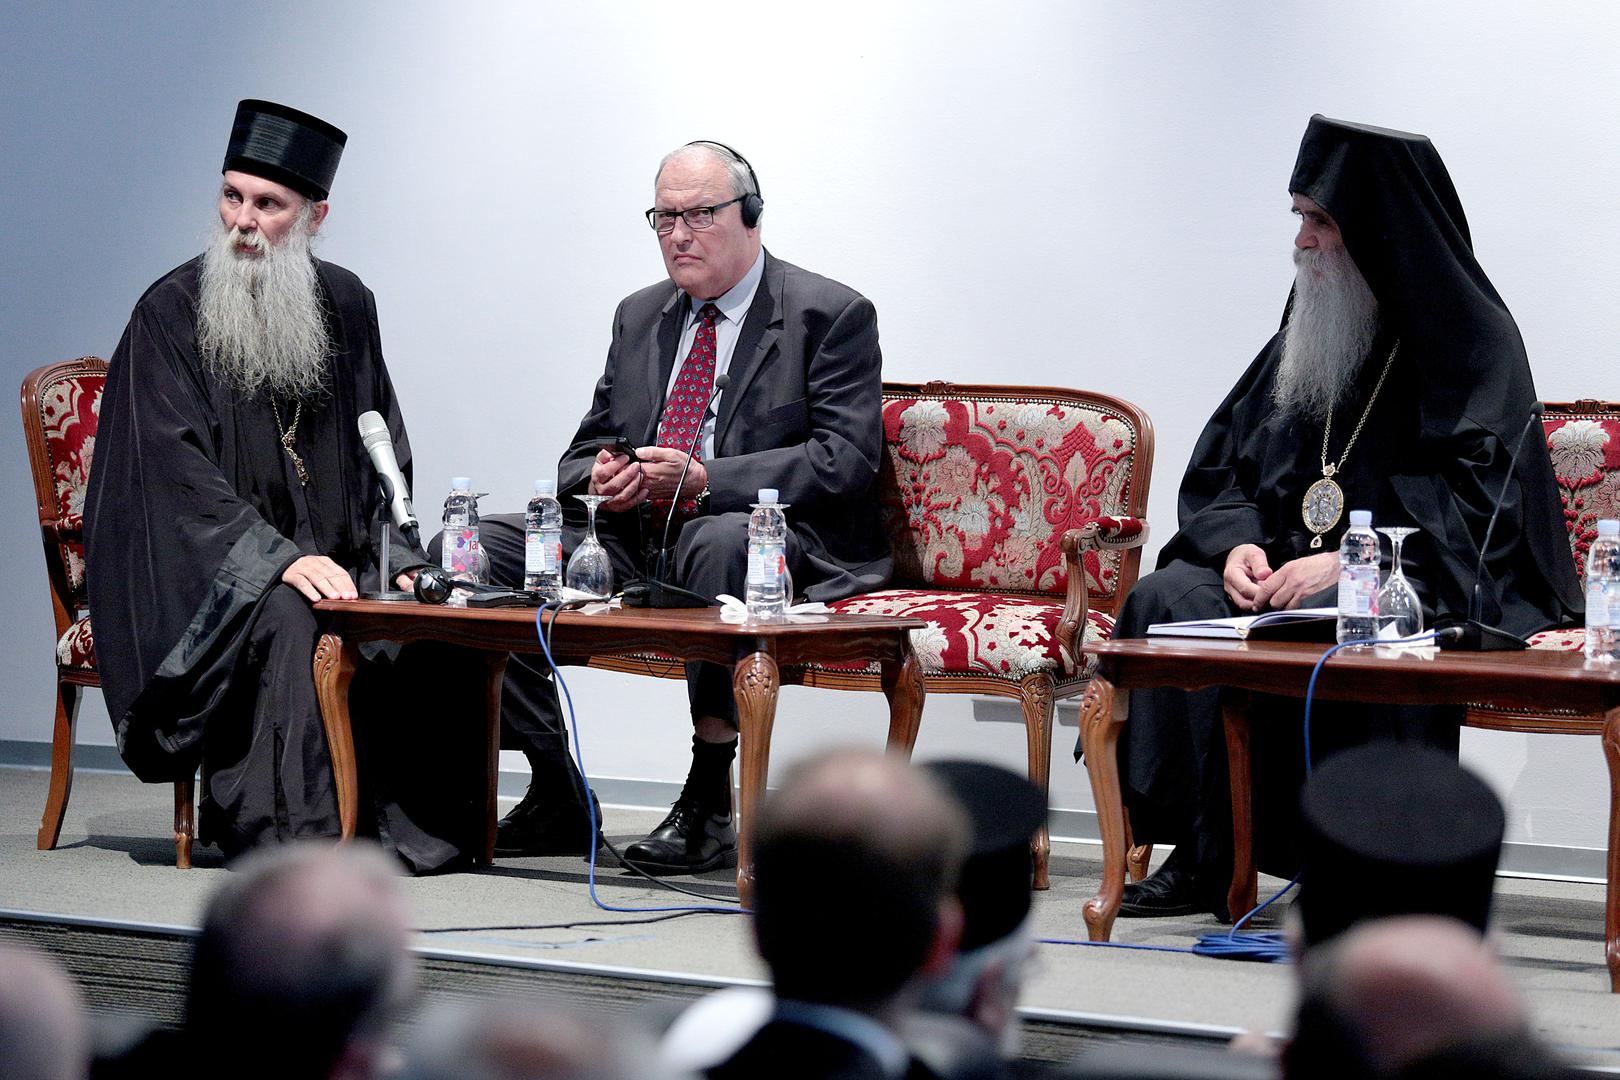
column 229, row 492
column 1400, row 379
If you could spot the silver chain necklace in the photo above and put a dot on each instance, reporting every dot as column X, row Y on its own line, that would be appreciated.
column 1324, row 500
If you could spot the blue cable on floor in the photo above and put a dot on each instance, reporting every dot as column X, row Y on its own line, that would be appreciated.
column 1269, row 948
column 590, row 797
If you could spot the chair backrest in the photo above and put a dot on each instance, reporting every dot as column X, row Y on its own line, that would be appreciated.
column 1584, row 440
column 980, row 483
column 61, row 405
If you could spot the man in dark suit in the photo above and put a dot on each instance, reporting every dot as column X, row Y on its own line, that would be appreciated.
column 855, row 908
column 774, row 375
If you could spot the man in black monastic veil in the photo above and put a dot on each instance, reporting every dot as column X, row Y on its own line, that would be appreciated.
column 229, row 491
column 1397, row 384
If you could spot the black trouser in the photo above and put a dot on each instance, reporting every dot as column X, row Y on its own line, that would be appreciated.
column 267, row 772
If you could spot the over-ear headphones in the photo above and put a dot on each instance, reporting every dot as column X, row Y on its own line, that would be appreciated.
column 752, row 205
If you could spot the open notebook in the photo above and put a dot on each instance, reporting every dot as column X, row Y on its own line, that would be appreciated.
column 1300, row 624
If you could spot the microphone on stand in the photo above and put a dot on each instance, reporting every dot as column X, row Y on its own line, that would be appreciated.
column 1471, row 634
column 380, row 445
column 654, row 590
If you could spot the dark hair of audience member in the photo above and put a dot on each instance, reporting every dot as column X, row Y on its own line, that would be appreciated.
column 305, row 947
column 853, row 858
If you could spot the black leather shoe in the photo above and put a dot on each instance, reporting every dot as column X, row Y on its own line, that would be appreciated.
column 537, row 826
column 1170, row 890
column 689, row 841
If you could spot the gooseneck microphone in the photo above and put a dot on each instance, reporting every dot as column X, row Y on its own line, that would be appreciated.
column 379, row 444
column 655, row 590
column 1471, row 634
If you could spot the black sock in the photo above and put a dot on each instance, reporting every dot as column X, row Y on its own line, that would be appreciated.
column 708, row 783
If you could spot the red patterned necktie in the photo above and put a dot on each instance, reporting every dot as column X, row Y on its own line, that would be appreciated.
column 689, row 398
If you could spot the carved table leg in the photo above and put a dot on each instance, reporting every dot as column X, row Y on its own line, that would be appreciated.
column 1102, row 715
column 496, row 667
column 1611, row 907
column 1240, row 896
column 903, row 686
column 334, row 671
column 755, row 681
column 1037, row 699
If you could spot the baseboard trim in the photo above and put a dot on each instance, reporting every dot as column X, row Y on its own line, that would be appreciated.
column 1076, row 826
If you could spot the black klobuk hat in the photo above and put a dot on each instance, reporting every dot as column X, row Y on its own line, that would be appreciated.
column 284, row 145
column 1003, row 810
column 1396, row 829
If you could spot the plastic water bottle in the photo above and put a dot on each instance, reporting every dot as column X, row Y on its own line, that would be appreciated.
column 1603, row 593
column 1358, row 579
column 462, row 557
column 766, row 593
column 542, row 541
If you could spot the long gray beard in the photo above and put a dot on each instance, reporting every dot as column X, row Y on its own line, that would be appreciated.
column 261, row 324
column 1330, row 328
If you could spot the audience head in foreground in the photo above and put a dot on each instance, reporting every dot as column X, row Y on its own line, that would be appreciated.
column 855, row 866
column 1395, row 829
column 520, row 1040
column 306, row 945
column 983, row 980
column 1409, row 996
column 43, row 1032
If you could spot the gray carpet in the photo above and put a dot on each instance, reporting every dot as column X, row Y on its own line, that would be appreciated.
column 115, row 862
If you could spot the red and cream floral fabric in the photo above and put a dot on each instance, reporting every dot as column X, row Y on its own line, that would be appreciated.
column 69, row 410
column 984, row 489
column 77, row 649
column 975, row 633
column 1586, row 459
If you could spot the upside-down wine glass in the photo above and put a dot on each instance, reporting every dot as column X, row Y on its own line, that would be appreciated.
column 589, row 569
column 1397, row 601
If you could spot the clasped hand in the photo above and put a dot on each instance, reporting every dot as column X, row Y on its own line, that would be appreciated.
column 628, row 483
column 1253, row 585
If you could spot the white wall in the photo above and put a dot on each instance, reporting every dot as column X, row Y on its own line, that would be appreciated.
column 1074, row 193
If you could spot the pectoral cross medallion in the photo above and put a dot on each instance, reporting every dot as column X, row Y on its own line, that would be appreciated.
column 1323, row 506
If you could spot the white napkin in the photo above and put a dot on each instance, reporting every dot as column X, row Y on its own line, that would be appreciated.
column 733, row 610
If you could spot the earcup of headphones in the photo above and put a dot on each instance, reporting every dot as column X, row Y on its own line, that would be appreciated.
column 752, row 207
column 432, row 586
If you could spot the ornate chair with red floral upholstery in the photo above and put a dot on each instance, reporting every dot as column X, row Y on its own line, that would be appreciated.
column 1016, row 515
column 61, row 404
column 1584, row 440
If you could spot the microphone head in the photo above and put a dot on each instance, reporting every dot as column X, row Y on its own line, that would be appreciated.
column 721, row 381
column 373, row 429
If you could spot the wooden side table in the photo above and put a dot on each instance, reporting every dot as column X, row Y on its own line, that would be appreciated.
column 754, row 652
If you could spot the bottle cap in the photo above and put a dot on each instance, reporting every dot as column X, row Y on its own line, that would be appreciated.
column 461, row 482
column 1608, row 528
column 1360, row 519
column 768, row 495
column 545, row 487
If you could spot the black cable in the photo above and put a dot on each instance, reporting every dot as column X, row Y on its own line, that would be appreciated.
column 564, row 925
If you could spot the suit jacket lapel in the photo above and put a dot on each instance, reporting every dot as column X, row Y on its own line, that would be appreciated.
column 661, row 363
column 761, row 328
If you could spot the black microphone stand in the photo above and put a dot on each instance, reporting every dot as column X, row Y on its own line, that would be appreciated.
column 384, row 570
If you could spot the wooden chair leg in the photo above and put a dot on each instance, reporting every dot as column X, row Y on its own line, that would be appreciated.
column 67, row 722
column 1037, row 699
column 1136, row 855
column 185, row 816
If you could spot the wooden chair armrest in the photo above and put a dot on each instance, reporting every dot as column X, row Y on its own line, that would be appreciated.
column 64, row 529
column 1098, row 533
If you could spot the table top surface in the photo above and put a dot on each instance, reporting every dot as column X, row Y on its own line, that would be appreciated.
column 705, row 621
column 1530, row 664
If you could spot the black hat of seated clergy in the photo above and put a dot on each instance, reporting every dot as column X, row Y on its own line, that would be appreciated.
column 286, row 146
column 1003, row 810
column 1396, row 829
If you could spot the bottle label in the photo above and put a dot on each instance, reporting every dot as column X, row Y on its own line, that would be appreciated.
column 534, row 555
column 461, row 550
column 1358, row 591
column 766, row 566
column 1600, row 597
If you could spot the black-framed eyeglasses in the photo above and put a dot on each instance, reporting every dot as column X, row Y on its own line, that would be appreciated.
column 697, row 217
